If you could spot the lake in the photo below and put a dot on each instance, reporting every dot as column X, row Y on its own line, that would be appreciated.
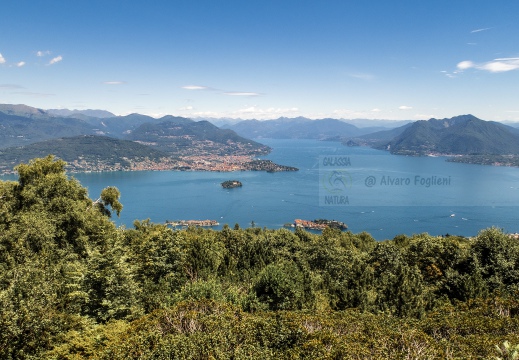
column 370, row 190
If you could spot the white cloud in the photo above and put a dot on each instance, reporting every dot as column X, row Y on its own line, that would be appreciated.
column 2, row 59
column 268, row 113
column 238, row 93
column 230, row 93
column 20, row 64
column 55, row 60
column 404, row 107
column 155, row 115
column 186, row 108
column 195, row 87
column 351, row 114
column 114, row 82
column 207, row 113
column 501, row 65
column 465, row 65
column 423, row 116
column 494, row 66
column 256, row 110
column 42, row 53
column 479, row 30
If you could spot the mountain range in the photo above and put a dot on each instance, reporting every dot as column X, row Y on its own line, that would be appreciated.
column 22, row 125
column 25, row 131
column 300, row 128
column 89, row 112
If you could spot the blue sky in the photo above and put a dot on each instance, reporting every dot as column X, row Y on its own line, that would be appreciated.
column 264, row 59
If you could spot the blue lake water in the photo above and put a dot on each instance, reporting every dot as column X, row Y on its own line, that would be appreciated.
column 471, row 197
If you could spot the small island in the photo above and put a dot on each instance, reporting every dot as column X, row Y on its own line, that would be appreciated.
column 319, row 224
column 230, row 184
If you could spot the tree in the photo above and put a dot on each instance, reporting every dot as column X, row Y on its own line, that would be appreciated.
column 109, row 197
column 60, row 259
column 498, row 255
column 280, row 286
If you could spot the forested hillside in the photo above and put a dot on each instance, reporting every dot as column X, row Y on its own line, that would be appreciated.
column 86, row 152
column 182, row 136
column 17, row 130
column 114, row 143
column 459, row 135
column 75, row 286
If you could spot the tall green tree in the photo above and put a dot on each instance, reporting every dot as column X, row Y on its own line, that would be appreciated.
column 58, row 259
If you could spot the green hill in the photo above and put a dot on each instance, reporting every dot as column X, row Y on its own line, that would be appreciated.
column 17, row 129
column 460, row 135
column 120, row 126
column 181, row 137
column 84, row 152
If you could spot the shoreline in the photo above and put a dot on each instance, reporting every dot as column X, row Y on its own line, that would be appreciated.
column 212, row 163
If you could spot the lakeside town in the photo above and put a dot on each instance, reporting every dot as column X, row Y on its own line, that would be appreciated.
column 217, row 163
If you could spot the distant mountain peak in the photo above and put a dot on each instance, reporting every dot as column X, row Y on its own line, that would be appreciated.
column 22, row 110
column 177, row 119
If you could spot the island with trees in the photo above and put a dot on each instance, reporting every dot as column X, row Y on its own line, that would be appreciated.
column 230, row 184
column 319, row 224
column 74, row 285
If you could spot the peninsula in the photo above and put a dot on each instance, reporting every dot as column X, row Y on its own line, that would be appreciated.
column 268, row 166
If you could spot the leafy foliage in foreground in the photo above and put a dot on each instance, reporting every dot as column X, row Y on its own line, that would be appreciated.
column 74, row 286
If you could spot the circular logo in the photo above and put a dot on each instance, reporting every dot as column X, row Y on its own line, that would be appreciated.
column 336, row 181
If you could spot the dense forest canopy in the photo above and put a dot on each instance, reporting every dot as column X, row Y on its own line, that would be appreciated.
column 73, row 285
